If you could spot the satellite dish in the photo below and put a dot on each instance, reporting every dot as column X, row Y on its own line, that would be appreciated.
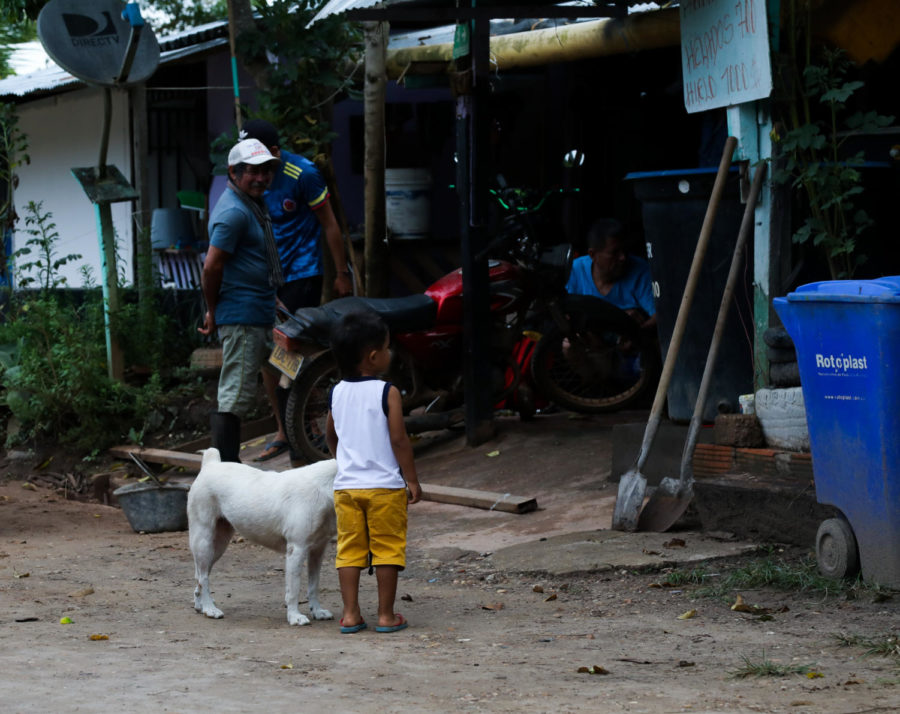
column 91, row 40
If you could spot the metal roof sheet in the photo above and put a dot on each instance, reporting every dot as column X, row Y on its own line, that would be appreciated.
column 173, row 47
column 337, row 7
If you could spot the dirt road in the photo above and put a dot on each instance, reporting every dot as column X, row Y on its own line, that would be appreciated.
column 481, row 639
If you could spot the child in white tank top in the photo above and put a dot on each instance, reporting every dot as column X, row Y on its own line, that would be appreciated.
column 366, row 434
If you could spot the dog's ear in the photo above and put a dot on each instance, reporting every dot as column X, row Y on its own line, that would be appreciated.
column 210, row 456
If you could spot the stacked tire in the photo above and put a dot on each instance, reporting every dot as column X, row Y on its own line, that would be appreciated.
column 783, row 368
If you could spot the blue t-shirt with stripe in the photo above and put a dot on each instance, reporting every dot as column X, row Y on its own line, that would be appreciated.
column 297, row 190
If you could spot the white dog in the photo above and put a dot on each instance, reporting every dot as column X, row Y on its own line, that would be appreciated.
column 291, row 512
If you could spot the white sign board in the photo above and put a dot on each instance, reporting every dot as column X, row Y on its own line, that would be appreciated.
column 724, row 53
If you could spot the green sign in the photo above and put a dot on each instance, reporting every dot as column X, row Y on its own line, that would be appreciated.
column 461, row 40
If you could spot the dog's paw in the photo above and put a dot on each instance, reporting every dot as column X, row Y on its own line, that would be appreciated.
column 213, row 612
column 297, row 618
column 320, row 613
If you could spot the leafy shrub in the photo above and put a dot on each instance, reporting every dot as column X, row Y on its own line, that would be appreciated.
column 53, row 361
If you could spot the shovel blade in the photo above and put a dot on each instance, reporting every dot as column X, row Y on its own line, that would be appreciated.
column 629, row 500
column 665, row 506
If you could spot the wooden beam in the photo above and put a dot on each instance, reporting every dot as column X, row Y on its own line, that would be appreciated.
column 488, row 500
column 478, row 499
column 159, row 456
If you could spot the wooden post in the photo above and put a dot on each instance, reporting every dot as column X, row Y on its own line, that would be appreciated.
column 376, row 221
column 472, row 138
column 143, row 272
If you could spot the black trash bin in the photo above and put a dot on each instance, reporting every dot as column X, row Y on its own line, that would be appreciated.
column 673, row 205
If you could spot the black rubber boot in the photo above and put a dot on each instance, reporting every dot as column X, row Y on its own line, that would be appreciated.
column 282, row 396
column 226, row 435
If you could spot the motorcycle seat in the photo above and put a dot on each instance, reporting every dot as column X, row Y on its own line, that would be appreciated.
column 402, row 314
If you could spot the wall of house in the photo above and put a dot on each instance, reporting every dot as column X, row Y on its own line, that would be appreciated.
column 64, row 132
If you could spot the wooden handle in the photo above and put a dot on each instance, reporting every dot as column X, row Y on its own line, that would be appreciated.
column 687, row 298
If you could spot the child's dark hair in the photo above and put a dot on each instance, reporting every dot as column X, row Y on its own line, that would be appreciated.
column 355, row 334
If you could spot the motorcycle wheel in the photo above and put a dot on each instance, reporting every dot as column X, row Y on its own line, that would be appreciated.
column 307, row 408
column 590, row 372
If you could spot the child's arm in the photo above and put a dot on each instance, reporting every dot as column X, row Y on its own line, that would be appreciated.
column 331, row 437
column 401, row 446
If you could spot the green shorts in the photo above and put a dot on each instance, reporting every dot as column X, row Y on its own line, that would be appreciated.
column 245, row 350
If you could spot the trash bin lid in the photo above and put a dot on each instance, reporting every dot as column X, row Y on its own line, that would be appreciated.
column 885, row 289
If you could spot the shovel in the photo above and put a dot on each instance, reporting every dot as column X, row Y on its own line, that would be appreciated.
column 633, row 484
column 673, row 495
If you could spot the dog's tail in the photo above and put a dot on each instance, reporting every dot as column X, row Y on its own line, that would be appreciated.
column 210, row 456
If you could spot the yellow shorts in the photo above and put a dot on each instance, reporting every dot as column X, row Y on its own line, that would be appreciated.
column 371, row 520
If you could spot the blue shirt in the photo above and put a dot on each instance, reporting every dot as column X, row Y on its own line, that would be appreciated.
column 634, row 289
column 297, row 190
column 245, row 298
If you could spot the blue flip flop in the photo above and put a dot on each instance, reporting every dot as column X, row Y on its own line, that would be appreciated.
column 402, row 625
column 350, row 629
column 279, row 446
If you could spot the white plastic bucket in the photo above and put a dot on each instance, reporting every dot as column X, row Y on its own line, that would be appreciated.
column 408, row 202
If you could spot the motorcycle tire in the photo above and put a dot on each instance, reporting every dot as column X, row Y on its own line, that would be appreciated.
column 588, row 371
column 307, row 408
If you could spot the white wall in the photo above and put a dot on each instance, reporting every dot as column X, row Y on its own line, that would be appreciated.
column 63, row 132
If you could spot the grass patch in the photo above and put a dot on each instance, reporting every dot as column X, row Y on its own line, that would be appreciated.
column 883, row 645
column 769, row 571
column 764, row 667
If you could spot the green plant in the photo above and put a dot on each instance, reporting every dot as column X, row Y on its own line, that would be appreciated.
column 312, row 66
column 817, row 121
column 883, row 645
column 771, row 571
column 764, row 667
column 42, row 244
column 53, row 355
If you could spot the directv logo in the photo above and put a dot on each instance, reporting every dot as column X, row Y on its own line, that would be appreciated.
column 85, row 31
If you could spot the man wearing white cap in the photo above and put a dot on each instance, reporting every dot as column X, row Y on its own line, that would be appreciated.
column 241, row 274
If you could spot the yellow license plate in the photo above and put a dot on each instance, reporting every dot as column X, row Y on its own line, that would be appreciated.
column 288, row 363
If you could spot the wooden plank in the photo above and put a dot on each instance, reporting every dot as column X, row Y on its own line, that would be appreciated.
column 439, row 494
column 159, row 456
column 478, row 499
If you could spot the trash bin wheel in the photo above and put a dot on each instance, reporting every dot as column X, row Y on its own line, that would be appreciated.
column 836, row 549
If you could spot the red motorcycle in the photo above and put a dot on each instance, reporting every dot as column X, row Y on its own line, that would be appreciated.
column 589, row 356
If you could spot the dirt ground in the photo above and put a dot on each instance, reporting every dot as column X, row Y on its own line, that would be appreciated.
column 481, row 639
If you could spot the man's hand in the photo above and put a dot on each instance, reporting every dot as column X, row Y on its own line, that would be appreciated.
column 343, row 284
column 209, row 324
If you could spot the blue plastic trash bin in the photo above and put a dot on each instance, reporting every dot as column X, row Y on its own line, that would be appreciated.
column 847, row 336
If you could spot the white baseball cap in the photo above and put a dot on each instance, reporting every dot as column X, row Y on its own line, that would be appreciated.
column 249, row 151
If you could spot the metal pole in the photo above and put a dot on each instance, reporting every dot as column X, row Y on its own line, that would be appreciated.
column 110, row 282
column 472, row 135
column 234, row 67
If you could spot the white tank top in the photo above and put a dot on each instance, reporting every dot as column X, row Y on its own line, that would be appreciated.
column 365, row 458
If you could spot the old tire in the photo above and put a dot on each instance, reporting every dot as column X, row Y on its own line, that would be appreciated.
column 590, row 372
column 778, row 337
column 307, row 408
column 784, row 374
column 836, row 550
column 781, row 354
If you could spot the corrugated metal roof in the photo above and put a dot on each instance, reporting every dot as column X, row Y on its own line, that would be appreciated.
column 337, row 7
column 173, row 47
